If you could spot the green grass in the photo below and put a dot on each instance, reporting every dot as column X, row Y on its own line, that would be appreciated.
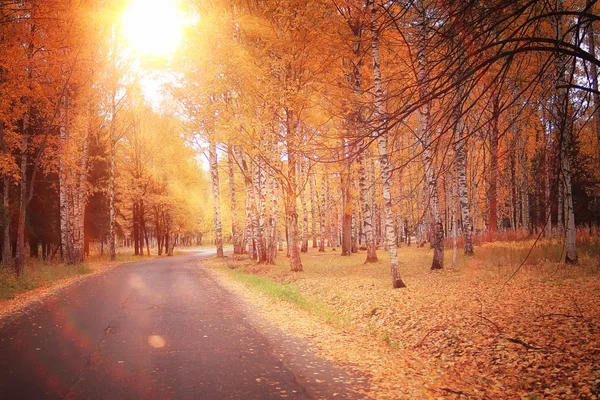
column 286, row 292
column 37, row 274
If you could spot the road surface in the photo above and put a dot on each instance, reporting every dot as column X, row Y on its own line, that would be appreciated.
column 159, row 329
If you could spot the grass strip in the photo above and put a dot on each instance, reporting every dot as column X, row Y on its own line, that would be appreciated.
column 35, row 276
column 286, row 292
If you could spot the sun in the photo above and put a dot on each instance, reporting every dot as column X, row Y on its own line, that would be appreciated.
column 153, row 27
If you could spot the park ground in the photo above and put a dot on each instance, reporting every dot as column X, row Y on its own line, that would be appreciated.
column 494, row 327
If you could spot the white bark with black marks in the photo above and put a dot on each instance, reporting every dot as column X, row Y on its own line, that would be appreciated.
column 214, row 178
column 365, row 184
column 382, row 143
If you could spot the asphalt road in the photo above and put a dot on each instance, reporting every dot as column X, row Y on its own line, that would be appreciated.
column 160, row 329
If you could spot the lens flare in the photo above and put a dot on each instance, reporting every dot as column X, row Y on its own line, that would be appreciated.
column 156, row 341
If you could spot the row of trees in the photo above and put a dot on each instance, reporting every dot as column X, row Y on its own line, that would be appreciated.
column 82, row 157
column 366, row 123
column 359, row 123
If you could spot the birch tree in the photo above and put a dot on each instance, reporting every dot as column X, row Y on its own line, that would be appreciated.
column 214, row 178
column 382, row 142
column 426, row 128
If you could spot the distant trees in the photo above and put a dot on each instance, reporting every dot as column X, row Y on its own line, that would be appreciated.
column 62, row 75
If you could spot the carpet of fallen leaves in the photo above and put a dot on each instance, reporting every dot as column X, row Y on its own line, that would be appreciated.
column 468, row 332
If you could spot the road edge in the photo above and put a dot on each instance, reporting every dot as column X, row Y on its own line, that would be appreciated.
column 255, row 305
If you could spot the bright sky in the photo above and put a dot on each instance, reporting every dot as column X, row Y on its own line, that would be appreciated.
column 154, row 27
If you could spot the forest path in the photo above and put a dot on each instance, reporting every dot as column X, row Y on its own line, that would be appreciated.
column 156, row 329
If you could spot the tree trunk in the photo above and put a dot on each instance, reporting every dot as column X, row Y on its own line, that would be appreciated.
column 365, row 201
column 454, row 219
column 594, row 74
column 547, row 170
column 357, row 128
column 493, row 189
column 159, row 236
column 235, row 230
column 214, row 177
column 258, row 216
column 461, row 172
column 565, row 177
column 80, row 199
column 437, row 240
column 135, row 230
column 303, row 168
column 65, row 212
column 381, row 135
column 292, row 214
column 251, row 226
column 168, row 235
column 144, row 228
column 561, row 208
column 347, row 211
column 112, row 235
column 524, row 186
column 20, row 248
column 322, row 214
column 248, row 230
column 7, row 259
column 570, row 234
column 328, row 212
column 512, row 190
column 474, row 192
column 564, row 119
column 313, row 210
column 355, row 219
column 273, row 218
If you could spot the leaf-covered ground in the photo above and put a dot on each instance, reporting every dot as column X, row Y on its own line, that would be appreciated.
column 468, row 332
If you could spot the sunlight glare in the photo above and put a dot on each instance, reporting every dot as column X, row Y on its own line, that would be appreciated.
column 153, row 26
column 156, row 341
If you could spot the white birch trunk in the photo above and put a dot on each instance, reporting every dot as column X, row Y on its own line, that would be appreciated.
column 214, row 177
column 564, row 119
column 80, row 198
column 524, row 184
column 329, row 211
column 560, row 209
column 235, row 229
column 65, row 212
column 262, row 217
column 273, row 218
column 313, row 210
column 381, row 135
column 453, row 207
column 322, row 213
column 437, row 240
column 249, row 237
column 303, row 168
column 461, row 172
column 292, row 214
column 547, row 200
column 365, row 202
column 258, row 216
